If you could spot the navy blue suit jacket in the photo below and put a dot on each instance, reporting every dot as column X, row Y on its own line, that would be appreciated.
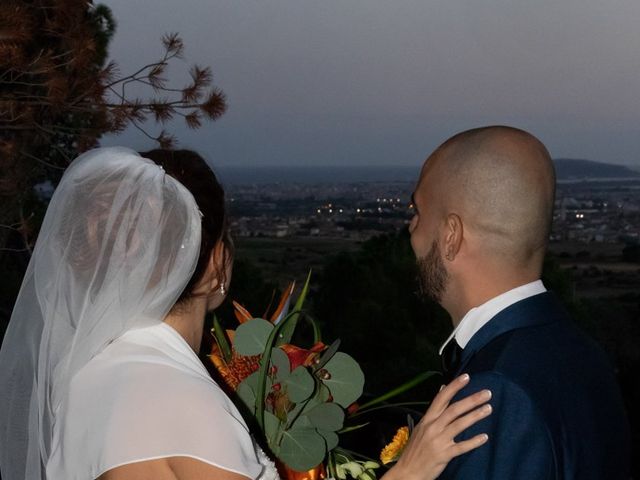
column 557, row 410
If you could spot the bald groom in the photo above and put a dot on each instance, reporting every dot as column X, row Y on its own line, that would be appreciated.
column 484, row 204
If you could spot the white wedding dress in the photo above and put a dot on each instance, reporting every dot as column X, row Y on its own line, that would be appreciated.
column 148, row 396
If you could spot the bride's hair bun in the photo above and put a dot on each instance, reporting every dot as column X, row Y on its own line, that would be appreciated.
column 192, row 171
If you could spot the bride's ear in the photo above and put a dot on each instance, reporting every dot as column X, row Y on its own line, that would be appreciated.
column 216, row 266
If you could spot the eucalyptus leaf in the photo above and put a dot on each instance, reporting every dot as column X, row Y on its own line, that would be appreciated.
column 248, row 396
column 303, row 421
column 345, row 379
column 251, row 337
column 326, row 416
column 331, row 438
column 280, row 360
column 300, row 385
column 302, row 448
column 308, row 405
column 322, row 393
column 252, row 381
column 271, row 428
column 248, row 388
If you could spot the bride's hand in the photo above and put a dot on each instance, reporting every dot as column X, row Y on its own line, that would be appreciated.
column 431, row 446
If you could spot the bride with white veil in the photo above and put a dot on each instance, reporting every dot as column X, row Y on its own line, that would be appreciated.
column 99, row 376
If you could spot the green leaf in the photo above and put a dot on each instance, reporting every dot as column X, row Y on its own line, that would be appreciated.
column 301, row 422
column 248, row 390
column 287, row 331
column 322, row 393
column 280, row 360
column 248, row 396
column 271, row 428
column 345, row 379
column 331, row 439
column 300, row 384
column 251, row 337
column 326, row 416
column 252, row 381
column 221, row 339
column 302, row 448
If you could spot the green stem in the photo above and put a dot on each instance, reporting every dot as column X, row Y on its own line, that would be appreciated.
column 389, row 405
column 297, row 309
column 264, row 368
column 357, row 455
column 220, row 337
column 415, row 381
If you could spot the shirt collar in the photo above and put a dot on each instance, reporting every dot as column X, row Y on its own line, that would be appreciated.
column 479, row 316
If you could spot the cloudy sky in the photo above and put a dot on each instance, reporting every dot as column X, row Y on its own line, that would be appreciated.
column 383, row 82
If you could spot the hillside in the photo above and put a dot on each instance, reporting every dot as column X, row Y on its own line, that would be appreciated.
column 571, row 168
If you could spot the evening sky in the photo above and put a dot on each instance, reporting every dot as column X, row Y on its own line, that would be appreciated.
column 383, row 82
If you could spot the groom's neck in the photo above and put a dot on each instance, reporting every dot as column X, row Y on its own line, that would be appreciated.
column 477, row 290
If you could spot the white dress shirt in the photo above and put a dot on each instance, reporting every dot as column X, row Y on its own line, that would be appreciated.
column 478, row 317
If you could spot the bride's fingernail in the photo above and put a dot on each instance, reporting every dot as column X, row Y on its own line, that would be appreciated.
column 486, row 394
column 464, row 378
column 487, row 409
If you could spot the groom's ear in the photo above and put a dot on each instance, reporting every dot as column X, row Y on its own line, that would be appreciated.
column 453, row 236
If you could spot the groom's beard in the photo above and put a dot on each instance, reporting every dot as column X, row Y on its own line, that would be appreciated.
column 432, row 276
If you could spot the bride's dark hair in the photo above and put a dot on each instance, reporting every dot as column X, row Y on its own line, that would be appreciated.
column 192, row 171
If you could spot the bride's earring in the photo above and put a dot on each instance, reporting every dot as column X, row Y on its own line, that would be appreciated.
column 222, row 289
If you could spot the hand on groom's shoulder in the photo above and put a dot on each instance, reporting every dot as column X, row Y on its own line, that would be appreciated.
column 520, row 445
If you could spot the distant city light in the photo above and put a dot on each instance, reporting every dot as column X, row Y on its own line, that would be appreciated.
column 330, row 210
column 357, row 210
column 319, row 211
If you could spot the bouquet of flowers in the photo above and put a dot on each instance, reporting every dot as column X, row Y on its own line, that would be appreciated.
column 297, row 398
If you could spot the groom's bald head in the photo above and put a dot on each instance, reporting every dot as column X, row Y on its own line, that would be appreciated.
column 500, row 181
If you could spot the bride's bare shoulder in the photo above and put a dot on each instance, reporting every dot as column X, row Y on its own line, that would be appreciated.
column 172, row 468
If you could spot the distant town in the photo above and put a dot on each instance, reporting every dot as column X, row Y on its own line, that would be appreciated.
column 587, row 211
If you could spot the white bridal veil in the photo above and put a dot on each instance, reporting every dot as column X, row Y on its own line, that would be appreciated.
column 119, row 243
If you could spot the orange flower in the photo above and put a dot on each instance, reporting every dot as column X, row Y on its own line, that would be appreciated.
column 392, row 451
column 301, row 356
column 237, row 369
